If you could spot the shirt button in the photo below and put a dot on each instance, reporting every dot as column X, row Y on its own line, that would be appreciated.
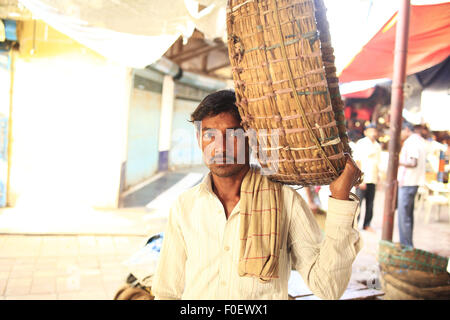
column 227, row 248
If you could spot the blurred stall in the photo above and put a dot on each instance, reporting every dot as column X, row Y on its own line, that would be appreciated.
column 366, row 86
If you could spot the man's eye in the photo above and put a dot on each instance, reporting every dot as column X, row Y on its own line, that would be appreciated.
column 235, row 133
column 208, row 135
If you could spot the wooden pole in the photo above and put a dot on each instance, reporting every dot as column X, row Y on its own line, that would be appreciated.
column 400, row 55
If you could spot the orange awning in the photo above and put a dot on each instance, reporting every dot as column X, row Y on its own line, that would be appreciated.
column 428, row 45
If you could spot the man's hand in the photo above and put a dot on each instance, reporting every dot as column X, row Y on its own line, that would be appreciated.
column 411, row 164
column 340, row 188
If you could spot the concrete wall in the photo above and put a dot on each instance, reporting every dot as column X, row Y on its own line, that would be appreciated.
column 184, row 149
column 155, row 130
column 5, row 87
column 143, row 129
column 4, row 83
column 69, row 122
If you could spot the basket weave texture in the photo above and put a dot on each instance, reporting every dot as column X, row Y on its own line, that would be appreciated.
column 397, row 255
column 409, row 273
column 285, row 82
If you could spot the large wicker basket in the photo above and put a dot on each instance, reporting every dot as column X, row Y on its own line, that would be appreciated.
column 408, row 273
column 285, row 82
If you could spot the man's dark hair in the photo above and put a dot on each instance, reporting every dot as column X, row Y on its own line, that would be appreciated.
column 408, row 125
column 371, row 126
column 216, row 103
column 353, row 135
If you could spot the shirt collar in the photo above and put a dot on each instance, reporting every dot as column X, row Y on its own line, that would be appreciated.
column 206, row 184
column 370, row 141
column 414, row 136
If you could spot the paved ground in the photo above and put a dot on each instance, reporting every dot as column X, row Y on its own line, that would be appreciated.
column 79, row 253
column 64, row 267
column 143, row 196
column 81, row 256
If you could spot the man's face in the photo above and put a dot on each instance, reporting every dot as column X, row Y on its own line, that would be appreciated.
column 224, row 145
column 372, row 133
column 405, row 133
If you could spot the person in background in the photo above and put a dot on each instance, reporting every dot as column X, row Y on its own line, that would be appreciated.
column 411, row 175
column 446, row 143
column 432, row 151
column 353, row 131
column 367, row 156
column 352, row 139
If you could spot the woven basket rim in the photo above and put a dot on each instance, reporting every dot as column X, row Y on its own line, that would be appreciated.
column 392, row 254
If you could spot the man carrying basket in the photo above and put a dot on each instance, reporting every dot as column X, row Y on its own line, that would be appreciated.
column 238, row 235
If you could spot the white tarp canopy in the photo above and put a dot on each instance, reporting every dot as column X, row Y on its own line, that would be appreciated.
column 132, row 33
column 137, row 33
column 434, row 113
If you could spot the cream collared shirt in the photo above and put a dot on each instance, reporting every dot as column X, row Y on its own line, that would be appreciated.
column 200, row 252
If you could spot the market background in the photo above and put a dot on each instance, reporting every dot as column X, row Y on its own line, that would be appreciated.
column 94, row 102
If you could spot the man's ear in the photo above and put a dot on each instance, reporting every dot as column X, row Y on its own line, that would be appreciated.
column 198, row 130
column 199, row 140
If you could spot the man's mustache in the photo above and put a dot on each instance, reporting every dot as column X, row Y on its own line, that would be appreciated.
column 222, row 159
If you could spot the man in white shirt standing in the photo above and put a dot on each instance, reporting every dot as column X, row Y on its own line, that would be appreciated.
column 367, row 155
column 202, row 254
column 411, row 175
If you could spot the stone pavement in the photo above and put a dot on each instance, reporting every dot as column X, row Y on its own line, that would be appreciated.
column 76, row 252
column 85, row 260
column 74, row 267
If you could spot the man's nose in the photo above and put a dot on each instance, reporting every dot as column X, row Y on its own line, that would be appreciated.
column 224, row 145
column 220, row 145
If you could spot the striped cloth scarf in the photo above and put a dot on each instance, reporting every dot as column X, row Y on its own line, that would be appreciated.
column 260, row 222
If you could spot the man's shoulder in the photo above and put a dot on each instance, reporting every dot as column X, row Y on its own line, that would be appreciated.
column 378, row 146
column 185, row 202
column 363, row 144
column 287, row 189
column 413, row 141
column 361, row 141
column 187, row 196
column 289, row 194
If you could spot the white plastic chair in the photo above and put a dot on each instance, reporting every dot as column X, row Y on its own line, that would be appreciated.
column 438, row 198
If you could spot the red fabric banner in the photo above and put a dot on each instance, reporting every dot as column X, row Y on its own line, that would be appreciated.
column 428, row 45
